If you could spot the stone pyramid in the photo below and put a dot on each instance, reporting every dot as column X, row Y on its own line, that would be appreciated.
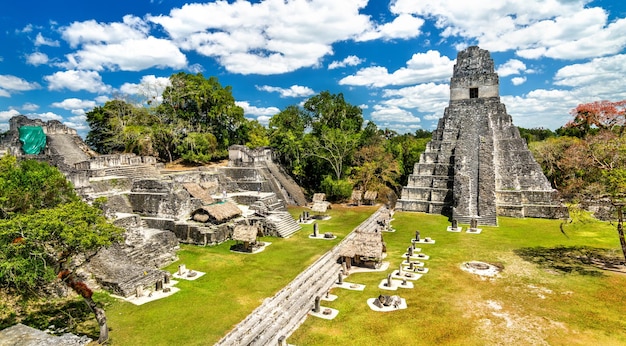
column 477, row 166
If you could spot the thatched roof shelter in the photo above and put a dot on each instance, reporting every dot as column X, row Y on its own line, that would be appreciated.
column 218, row 212
column 245, row 233
column 370, row 195
column 356, row 197
column 364, row 244
column 198, row 192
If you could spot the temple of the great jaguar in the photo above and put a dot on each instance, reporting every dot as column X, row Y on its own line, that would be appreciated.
column 477, row 166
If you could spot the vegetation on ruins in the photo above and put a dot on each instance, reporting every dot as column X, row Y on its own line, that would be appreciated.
column 196, row 121
column 47, row 233
column 326, row 145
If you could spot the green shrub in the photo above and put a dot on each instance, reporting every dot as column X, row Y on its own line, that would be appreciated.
column 336, row 190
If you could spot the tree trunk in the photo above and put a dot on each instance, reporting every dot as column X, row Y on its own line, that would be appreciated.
column 620, row 228
column 101, row 318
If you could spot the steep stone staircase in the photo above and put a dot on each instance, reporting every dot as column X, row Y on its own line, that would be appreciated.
column 293, row 190
column 283, row 223
column 64, row 146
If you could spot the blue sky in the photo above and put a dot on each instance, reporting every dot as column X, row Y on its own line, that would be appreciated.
column 59, row 59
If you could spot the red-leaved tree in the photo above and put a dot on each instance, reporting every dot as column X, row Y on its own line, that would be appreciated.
column 605, row 115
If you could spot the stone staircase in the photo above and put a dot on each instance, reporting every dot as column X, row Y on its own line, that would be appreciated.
column 283, row 223
column 65, row 147
column 482, row 220
column 145, row 246
column 291, row 187
column 279, row 316
column 273, row 203
column 133, row 172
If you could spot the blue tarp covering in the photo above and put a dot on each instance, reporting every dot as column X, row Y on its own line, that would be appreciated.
column 33, row 139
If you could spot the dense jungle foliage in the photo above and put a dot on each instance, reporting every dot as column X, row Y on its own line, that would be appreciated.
column 327, row 146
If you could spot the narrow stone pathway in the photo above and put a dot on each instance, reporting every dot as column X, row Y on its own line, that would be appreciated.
column 279, row 316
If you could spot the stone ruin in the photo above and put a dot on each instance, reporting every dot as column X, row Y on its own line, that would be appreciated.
column 161, row 208
column 477, row 166
column 384, row 301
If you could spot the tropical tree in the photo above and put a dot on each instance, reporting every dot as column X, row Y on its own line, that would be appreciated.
column 43, row 230
column 30, row 185
column 286, row 136
column 257, row 135
column 336, row 127
column 559, row 163
column 107, row 124
column 375, row 169
column 335, row 146
column 37, row 247
column 604, row 115
column 406, row 150
column 535, row 134
column 326, row 110
column 193, row 103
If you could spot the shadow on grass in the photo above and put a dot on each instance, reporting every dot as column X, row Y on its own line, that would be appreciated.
column 583, row 260
column 58, row 316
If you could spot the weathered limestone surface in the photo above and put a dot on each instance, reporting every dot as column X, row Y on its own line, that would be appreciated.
column 477, row 165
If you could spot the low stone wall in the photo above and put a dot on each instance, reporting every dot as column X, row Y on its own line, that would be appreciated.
column 240, row 156
column 193, row 233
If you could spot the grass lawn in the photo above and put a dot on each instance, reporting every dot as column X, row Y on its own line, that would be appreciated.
column 556, row 303
column 234, row 285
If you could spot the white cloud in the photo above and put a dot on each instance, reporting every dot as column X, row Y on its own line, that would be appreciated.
column 92, row 32
column 77, row 80
column 350, row 60
column 42, row 41
column 74, row 104
column 511, row 67
column 27, row 29
column 30, row 107
column 269, row 37
column 391, row 114
column 404, row 26
column 292, row 91
column 257, row 111
column 598, row 72
column 261, row 114
column 122, row 46
column 518, row 80
column 406, row 105
column 6, row 115
column 555, row 29
column 128, row 55
column 77, row 122
column 45, row 116
column 151, row 87
column 102, row 99
column 425, row 98
column 37, row 59
column 9, row 83
column 423, row 67
column 434, row 116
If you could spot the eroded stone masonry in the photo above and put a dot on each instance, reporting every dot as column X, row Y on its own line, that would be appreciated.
column 477, row 166
column 160, row 208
